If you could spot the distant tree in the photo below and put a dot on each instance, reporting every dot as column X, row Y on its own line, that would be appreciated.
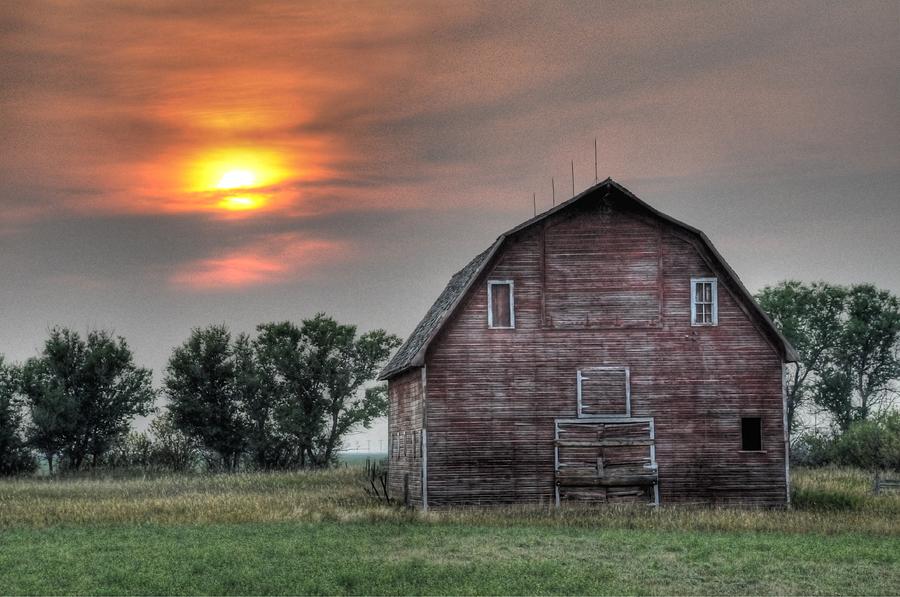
column 809, row 316
column 287, row 397
column 315, row 376
column 53, row 416
column 206, row 394
column 15, row 457
column 269, row 447
column 860, row 378
column 82, row 395
column 849, row 345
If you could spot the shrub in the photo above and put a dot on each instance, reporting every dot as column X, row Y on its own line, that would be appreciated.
column 135, row 450
column 161, row 448
column 813, row 450
column 869, row 444
column 826, row 500
column 172, row 449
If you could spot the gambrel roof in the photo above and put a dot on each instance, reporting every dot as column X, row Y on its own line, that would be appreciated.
column 412, row 352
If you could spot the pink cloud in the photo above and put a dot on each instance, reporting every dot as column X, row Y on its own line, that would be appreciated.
column 274, row 260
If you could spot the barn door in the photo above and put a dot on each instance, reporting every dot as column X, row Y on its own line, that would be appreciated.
column 604, row 391
column 606, row 459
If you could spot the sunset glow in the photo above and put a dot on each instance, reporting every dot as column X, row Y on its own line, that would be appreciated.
column 272, row 260
column 215, row 176
column 237, row 169
column 241, row 203
column 234, row 179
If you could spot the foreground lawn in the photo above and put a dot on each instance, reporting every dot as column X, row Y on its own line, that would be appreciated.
column 372, row 558
column 314, row 533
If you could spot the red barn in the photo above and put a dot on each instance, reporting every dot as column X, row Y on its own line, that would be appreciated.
column 600, row 351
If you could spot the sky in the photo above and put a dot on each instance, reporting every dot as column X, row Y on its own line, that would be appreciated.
column 170, row 164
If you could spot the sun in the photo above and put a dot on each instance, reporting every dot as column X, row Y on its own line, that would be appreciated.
column 236, row 179
column 243, row 168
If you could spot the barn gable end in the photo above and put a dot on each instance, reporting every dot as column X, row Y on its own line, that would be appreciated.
column 601, row 284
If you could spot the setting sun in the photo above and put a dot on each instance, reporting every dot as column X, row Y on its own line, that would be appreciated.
column 236, row 169
column 237, row 180
column 234, row 179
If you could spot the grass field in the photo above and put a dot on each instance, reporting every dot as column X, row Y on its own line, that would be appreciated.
column 317, row 532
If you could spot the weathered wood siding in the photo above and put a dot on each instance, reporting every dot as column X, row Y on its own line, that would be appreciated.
column 583, row 254
column 493, row 395
column 407, row 415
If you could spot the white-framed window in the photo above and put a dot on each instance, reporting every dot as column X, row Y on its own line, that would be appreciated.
column 704, row 301
column 501, row 304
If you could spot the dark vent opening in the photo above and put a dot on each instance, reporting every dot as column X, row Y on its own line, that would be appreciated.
column 751, row 434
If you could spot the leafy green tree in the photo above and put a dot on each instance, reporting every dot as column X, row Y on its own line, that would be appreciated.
column 849, row 344
column 14, row 454
column 809, row 316
column 860, row 377
column 268, row 445
column 82, row 395
column 315, row 376
column 206, row 395
column 287, row 396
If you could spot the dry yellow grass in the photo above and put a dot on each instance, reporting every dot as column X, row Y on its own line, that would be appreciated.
column 827, row 501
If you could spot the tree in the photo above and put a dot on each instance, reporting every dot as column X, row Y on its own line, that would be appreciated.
column 287, row 397
column 315, row 377
column 849, row 345
column 14, row 454
column 809, row 316
column 860, row 378
column 268, row 445
column 205, row 394
column 82, row 395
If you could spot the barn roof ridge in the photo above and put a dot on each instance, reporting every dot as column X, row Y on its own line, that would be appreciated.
column 412, row 352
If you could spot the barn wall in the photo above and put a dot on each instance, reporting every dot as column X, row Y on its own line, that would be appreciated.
column 493, row 395
column 407, row 408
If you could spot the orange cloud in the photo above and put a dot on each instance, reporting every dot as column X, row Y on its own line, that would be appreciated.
column 276, row 259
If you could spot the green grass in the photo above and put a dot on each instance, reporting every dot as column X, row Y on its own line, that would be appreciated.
column 375, row 558
column 316, row 532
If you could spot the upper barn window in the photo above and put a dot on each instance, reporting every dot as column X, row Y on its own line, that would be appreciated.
column 704, row 302
column 501, row 304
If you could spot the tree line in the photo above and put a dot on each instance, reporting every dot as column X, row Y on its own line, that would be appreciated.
column 285, row 398
column 848, row 375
